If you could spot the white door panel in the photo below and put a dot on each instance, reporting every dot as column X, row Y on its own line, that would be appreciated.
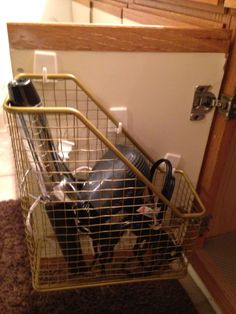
column 157, row 89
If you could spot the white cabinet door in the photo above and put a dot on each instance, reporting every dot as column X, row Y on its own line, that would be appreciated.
column 157, row 87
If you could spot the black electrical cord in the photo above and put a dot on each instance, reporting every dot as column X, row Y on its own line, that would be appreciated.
column 168, row 185
column 150, row 238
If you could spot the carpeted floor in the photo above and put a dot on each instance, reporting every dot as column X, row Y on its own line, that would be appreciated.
column 17, row 295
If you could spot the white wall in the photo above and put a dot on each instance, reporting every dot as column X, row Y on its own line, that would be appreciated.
column 26, row 11
column 36, row 10
column 20, row 11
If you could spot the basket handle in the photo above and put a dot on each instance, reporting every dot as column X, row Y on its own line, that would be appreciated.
column 93, row 99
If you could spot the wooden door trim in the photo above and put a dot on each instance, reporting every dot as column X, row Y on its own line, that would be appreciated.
column 219, row 150
column 149, row 18
column 192, row 5
column 211, row 2
column 119, row 4
column 177, row 16
column 212, row 188
column 208, row 12
column 50, row 36
column 230, row 4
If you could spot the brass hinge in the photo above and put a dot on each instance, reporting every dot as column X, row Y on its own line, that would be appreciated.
column 204, row 101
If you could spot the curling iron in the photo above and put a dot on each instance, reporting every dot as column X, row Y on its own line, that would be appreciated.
column 57, row 184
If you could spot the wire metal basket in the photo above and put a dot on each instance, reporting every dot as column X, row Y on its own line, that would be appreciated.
column 91, row 212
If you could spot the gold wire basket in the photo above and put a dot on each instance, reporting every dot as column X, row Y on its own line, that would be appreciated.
column 91, row 213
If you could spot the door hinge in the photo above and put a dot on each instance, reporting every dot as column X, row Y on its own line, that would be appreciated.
column 204, row 101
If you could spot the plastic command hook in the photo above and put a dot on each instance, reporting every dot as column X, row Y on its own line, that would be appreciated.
column 64, row 148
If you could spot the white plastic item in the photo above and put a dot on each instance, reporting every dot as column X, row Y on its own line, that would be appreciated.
column 45, row 62
column 120, row 113
column 174, row 159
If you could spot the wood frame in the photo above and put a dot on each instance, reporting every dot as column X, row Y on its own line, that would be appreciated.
column 192, row 20
column 149, row 18
column 116, row 38
column 212, row 2
column 194, row 6
column 230, row 4
column 118, row 4
column 188, row 8
column 215, row 187
column 220, row 149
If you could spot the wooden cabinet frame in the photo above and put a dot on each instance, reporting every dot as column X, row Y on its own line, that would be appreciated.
column 116, row 38
column 217, row 179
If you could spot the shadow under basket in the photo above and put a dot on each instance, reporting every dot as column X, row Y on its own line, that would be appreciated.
column 92, row 214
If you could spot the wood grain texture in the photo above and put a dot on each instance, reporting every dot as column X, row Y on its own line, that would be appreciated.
column 192, row 20
column 217, row 179
column 153, row 19
column 194, row 5
column 203, row 11
column 229, row 83
column 212, row 2
column 230, row 4
column 116, row 38
column 215, row 281
column 123, row 2
column 116, row 3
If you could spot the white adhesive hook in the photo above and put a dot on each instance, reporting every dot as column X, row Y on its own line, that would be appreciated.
column 45, row 75
column 64, row 148
column 119, row 128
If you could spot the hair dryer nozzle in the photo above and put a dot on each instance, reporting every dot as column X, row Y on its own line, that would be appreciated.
column 23, row 93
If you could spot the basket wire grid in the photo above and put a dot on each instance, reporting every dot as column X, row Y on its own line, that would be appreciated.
column 91, row 214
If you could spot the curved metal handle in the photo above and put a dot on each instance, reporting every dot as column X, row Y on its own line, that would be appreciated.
column 107, row 142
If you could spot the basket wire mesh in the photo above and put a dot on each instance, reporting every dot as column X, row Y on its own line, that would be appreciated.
column 90, row 210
